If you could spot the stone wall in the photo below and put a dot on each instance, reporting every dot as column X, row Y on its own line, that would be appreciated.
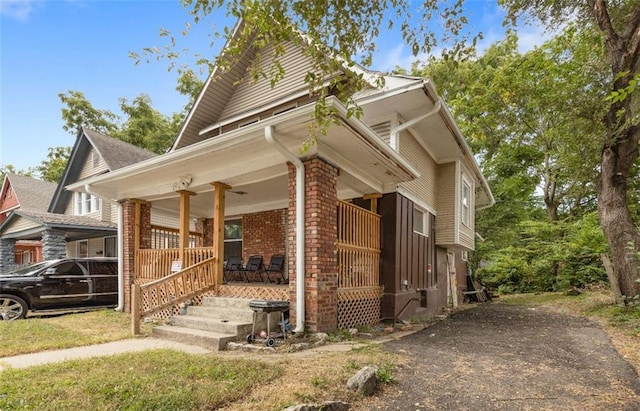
column 54, row 245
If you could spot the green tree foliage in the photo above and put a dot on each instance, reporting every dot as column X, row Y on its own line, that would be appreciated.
column 532, row 123
column 52, row 168
column 77, row 112
column 146, row 127
column 548, row 256
column 617, row 29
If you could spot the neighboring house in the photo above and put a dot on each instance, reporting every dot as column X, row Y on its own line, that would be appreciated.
column 374, row 217
column 72, row 224
column 26, row 194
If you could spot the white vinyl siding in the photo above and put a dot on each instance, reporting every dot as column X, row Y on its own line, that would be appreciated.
column 423, row 187
column 383, row 130
column 249, row 94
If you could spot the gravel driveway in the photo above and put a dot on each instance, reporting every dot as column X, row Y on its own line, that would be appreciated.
column 502, row 357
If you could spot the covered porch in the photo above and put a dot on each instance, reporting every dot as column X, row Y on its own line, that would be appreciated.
column 292, row 202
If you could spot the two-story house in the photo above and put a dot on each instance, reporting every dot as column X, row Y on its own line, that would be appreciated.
column 374, row 217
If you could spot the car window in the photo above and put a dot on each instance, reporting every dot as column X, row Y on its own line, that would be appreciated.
column 103, row 268
column 68, row 268
column 26, row 270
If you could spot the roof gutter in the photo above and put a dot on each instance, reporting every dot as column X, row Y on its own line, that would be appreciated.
column 269, row 136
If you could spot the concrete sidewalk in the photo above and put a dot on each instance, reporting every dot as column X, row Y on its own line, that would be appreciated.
column 99, row 350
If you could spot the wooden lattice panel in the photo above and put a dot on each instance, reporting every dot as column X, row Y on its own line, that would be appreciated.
column 261, row 293
column 358, row 306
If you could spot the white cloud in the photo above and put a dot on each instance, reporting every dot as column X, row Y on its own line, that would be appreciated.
column 18, row 9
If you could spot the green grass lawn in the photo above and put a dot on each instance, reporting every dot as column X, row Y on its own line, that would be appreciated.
column 173, row 380
column 64, row 331
column 155, row 380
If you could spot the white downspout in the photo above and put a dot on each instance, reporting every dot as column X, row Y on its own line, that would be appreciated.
column 300, row 257
column 394, row 135
column 120, row 306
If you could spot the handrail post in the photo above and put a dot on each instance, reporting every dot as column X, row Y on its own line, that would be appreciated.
column 135, row 309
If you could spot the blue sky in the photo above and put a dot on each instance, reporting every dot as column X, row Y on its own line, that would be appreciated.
column 48, row 47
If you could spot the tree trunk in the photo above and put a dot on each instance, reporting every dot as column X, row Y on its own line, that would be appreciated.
column 615, row 218
column 613, row 280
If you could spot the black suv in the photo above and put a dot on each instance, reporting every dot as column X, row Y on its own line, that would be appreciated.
column 59, row 284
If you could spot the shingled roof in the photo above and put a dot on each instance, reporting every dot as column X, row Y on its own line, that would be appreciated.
column 115, row 152
column 32, row 194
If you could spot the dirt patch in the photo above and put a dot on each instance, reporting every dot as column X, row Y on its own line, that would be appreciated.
column 503, row 357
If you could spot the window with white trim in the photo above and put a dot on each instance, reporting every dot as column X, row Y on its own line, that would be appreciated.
column 232, row 238
column 82, row 250
column 86, row 203
column 466, row 203
column 110, row 247
column 420, row 221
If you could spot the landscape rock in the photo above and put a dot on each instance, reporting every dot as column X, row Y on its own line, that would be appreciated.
column 365, row 381
column 325, row 406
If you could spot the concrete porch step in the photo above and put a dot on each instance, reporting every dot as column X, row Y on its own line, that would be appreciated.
column 221, row 313
column 207, row 339
column 213, row 324
column 224, row 326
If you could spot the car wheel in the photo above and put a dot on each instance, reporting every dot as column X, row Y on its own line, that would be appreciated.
column 12, row 307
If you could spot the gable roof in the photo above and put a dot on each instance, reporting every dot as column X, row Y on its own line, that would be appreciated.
column 76, row 227
column 31, row 193
column 115, row 153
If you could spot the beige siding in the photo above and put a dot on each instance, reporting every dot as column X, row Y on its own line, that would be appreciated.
column 70, row 205
column 424, row 187
column 249, row 95
column 384, row 130
column 446, row 204
column 72, row 249
column 96, row 247
column 169, row 219
column 19, row 225
column 113, row 215
column 88, row 168
column 466, row 232
column 96, row 215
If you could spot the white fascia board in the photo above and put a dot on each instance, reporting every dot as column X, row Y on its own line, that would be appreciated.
column 245, row 134
column 383, row 95
column 374, row 139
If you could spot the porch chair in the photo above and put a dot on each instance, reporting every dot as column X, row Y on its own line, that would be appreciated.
column 254, row 266
column 231, row 267
column 276, row 266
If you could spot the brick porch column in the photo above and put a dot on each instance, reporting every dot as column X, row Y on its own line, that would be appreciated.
column 136, row 235
column 321, row 272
